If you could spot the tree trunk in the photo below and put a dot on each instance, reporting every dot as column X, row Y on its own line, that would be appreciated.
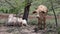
column 54, row 13
column 26, row 11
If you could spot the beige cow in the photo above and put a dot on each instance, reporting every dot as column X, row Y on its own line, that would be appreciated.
column 41, row 12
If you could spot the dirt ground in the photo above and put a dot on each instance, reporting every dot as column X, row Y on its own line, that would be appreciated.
column 21, row 30
column 30, row 16
column 17, row 30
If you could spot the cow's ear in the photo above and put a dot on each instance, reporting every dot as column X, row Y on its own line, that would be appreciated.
column 34, row 12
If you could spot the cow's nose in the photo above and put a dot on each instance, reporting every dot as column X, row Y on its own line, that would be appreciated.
column 37, row 16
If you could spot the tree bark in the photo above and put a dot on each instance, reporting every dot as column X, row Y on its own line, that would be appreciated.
column 54, row 13
column 26, row 11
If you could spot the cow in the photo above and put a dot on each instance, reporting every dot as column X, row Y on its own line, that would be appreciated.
column 41, row 13
column 16, row 20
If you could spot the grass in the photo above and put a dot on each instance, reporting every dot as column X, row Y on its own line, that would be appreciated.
column 32, row 21
column 2, row 21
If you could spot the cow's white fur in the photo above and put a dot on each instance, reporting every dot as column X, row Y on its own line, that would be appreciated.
column 13, row 19
column 24, row 21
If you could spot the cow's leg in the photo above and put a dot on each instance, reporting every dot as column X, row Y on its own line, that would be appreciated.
column 39, row 24
column 44, row 21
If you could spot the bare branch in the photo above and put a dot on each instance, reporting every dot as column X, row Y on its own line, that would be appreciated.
column 9, row 3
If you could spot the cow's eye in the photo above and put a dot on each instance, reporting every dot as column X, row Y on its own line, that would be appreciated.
column 34, row 12
column 42, row 11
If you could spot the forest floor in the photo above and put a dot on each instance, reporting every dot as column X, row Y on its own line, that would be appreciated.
column 17, row 30
column 24, row 30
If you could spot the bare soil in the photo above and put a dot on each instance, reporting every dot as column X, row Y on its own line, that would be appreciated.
column 23, row 30
column 17, row 30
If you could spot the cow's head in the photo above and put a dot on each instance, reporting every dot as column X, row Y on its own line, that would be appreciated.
column 39, row 13
column 40, row 10
column 36, row 12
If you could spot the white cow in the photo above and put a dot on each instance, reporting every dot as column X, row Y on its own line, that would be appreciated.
column 11, row 18
column 15, row 20
column 23, row 21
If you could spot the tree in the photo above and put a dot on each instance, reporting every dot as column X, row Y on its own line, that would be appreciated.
column 9, row 3
column 26, row 9
column 16, row 7
column 54, row 13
